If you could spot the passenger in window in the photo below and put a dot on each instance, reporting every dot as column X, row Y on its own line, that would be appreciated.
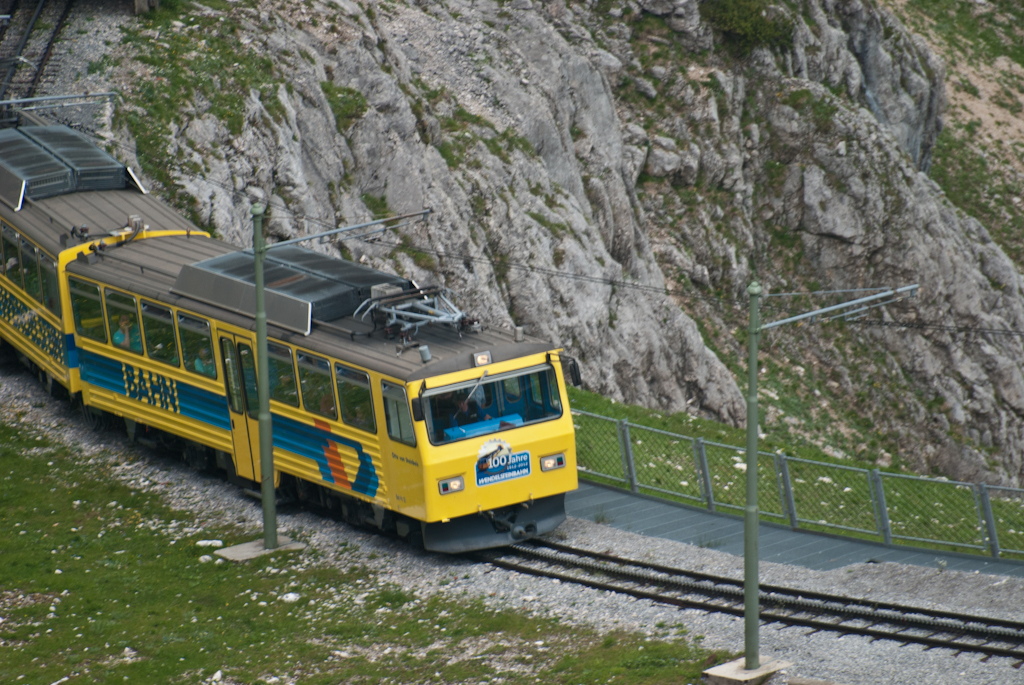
column 327, row 406
column 204, row 362
column 469, row 410
column 127, row 334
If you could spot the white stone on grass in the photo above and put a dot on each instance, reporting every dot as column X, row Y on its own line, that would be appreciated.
column 290, row 597
column 210, row 543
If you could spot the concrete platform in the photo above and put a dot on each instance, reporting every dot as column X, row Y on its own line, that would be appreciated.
column 251, row 550
column 656, row 517
column 735, row 673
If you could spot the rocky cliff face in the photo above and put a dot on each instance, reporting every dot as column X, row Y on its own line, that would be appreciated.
column 564, row 147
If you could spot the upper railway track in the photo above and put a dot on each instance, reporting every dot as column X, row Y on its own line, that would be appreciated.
column 27, row 40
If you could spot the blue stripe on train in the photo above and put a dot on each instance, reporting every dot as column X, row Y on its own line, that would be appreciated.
column 71, row 350
column 155, row 389
column 312, row 442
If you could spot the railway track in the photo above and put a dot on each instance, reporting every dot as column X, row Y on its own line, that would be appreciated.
column 26, row 44
column 961, row 633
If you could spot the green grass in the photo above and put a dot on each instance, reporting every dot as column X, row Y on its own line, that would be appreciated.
column 420, row 258
column 976, row 34
column 131, row 579
column 556, row 228
column 347, row 104
column 745, row 25
column 969, row 183
column 820, row 111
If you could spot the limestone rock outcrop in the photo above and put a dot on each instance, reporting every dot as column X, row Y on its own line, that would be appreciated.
column 579, row 161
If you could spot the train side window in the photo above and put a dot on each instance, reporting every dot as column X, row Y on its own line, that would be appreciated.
column 397, row 415
column 536, row 398
column 282, row 374
column 196, row 345
column 123, row 321
column 158, row 325
column 317, row 389
column 12, row 263
column 30, row 269
column 355, row 398
column 51, row 287
column 513, row 389
column 87, row 310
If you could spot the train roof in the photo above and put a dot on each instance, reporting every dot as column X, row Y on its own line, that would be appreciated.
column 103, row 211
column 150, row 268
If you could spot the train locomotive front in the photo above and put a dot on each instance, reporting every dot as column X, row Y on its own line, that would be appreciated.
column 498, row 450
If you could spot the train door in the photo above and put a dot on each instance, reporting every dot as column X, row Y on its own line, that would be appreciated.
column 240, row 376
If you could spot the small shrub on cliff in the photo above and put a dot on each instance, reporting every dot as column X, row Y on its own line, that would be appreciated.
column 745, row 25
column 821, row 111
column 347, row 104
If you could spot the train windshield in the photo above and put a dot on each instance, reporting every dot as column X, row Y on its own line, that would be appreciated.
column 495, row 404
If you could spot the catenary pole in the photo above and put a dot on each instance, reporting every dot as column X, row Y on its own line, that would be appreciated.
column 751, row 519
column 751, row 588
column 259, row 248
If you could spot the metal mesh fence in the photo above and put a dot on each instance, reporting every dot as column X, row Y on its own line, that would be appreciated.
column 727, row 469
column 801, row 492
column 934, row 511
column 665, row 463
column 833, row 496
column 598, row 453
column 1008, row 516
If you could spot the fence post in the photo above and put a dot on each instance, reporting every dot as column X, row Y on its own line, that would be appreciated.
column 782, row 468
column 628, row 466
column 701, row 457
column 883, row 511
column 990, row 520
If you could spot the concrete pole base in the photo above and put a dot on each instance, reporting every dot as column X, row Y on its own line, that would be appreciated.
column 251, row 550
column 735, row 673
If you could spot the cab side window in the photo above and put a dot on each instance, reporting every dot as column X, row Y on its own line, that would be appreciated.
column 123, row 321
column 282, row 374
column 12, row 257
column 397, row 415
column 158, row 325
column 355, row 398
column 317, row 389
column 196, row 345
column 87, row 310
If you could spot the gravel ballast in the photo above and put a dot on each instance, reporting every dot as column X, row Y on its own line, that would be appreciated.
column 824, row 656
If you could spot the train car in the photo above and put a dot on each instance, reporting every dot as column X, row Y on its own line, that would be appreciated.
column 388, row 404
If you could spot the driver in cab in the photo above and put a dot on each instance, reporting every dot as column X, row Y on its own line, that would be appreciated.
column 468, row 408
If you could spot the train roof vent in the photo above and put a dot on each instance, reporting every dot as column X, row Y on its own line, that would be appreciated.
column 93, row 168
column 301, row 285
column 26, row 169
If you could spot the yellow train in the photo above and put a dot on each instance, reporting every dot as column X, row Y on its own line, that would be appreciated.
column 387, row 404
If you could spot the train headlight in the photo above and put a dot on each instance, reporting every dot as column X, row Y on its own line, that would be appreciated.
column 555, row 461
column 450, row 485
